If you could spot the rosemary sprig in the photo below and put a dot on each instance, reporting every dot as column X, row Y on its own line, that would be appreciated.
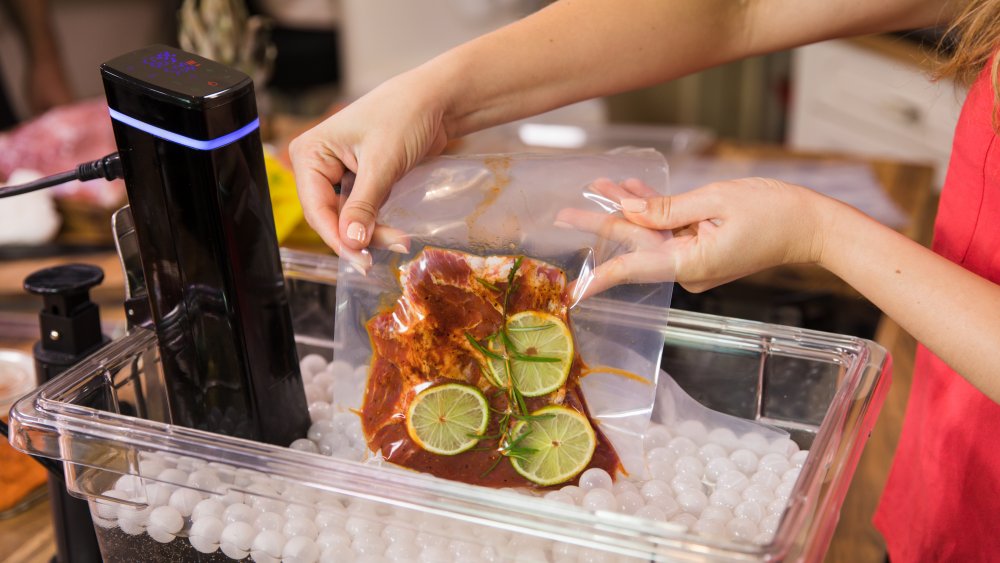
column 484, row 436
column 517, row 408
column 487, row 375
column 487, row 284
column 508, row 343
column 512, row 354
column 531, row 417
column 515, row 449
column 493, row 466
column 521, row 454
column 510, row 289
column 531, row 328
column 482, row 349
column 516, row 393
column 504, row 425
column 505, row 338
column 539, row 359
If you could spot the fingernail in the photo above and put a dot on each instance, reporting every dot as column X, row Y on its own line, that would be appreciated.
column 356, row 231
column 633, row 205
column 562, row 225
column 398, row 248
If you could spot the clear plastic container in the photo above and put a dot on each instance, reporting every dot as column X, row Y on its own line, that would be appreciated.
column 825, row 389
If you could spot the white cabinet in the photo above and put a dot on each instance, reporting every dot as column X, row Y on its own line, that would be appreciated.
column 850, row 97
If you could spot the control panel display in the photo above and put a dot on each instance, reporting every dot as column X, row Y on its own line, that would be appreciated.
column 185, row 76
column 167, row 62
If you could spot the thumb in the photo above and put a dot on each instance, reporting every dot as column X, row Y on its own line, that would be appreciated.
column 671, row 212
column 357, row 214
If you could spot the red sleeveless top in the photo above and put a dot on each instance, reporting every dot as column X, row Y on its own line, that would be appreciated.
column 942, row 499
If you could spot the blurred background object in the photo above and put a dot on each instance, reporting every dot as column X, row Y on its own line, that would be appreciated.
column 871, row 96
column 21, row 478
column 306, row 35
column 85, row 33
column 51, row 50
column 382, row 38
column 45, row 83
column 224, row 31
column 29, row 218
column 745, row 100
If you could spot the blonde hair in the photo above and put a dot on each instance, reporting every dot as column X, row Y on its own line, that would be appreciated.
column 975, row 34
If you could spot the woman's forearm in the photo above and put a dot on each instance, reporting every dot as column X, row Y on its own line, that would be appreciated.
column 952, row 311
column 580, row 49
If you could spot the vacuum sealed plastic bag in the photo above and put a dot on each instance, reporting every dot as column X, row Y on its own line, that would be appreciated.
column 482, row 353
column 684, row 416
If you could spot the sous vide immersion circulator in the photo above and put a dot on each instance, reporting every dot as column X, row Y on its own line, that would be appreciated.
column 188, row 134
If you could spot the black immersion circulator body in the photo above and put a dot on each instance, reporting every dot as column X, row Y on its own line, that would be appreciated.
column 206, row 235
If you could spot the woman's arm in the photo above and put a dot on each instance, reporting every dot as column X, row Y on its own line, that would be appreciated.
column 580, row 49
column 569, row 51
column 952, row 311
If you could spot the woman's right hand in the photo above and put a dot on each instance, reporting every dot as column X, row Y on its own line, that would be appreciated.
column 379, row 138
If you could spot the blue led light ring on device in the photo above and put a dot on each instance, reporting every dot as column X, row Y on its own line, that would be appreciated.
column 196, row 144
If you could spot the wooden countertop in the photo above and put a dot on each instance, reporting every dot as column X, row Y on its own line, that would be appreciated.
column 28, row 537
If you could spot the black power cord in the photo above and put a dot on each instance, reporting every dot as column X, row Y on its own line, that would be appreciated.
column 108, row 167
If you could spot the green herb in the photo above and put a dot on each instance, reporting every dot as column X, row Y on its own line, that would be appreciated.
column 517, row 408
column 484, row 436
column 505, row 338
column 482, row 350
column 514, row 448
column 530, row 417
column 493, row 466
column 531, row 328
column 487, row 284
column 539, row 359
column 518, row 397
column 487, row 375
column 517, row 441
column 519, row 454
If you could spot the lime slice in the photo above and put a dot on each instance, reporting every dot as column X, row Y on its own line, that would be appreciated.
column 445, row 419
column 543, row 337
column 556, row 448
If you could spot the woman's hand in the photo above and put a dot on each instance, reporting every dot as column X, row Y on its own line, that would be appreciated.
column 709, row 236
column 379, row 138
column 731, row 229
